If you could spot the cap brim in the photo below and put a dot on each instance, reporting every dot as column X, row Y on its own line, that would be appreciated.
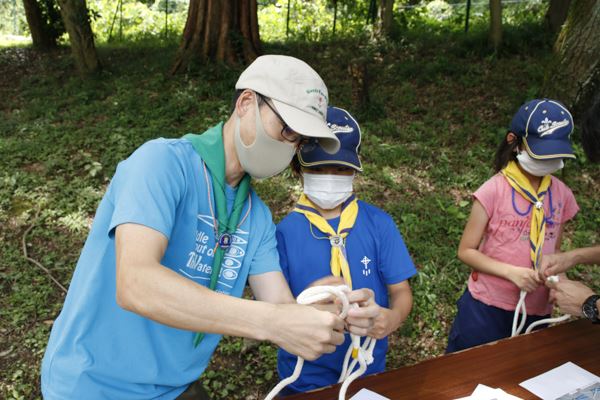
column 548, row 149
column 309, row 125
column 318, row 157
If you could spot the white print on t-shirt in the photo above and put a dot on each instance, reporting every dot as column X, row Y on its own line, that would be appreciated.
column 200, row 259
column 366, row 270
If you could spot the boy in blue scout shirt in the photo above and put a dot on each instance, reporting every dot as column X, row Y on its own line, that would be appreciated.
column 174, row 241
column 331, row 232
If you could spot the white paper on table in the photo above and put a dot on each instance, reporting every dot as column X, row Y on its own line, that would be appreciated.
column 366, row 394
column 483, row 392
column 559, row 381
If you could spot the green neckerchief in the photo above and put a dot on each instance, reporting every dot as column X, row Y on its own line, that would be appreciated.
column 209, row 146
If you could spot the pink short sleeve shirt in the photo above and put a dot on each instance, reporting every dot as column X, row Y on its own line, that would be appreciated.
column 506, row 239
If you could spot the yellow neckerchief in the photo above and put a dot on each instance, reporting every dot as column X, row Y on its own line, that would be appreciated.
column 338, row 261
column 517, row 179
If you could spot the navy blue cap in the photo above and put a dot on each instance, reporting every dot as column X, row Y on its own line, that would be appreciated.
column 545, row 126
column 345, row 127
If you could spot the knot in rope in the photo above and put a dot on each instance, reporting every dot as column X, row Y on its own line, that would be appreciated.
column 517, row 326
column 361, row 355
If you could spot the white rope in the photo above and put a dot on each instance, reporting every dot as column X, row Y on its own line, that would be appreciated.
column 363, row 355
column 516, row 330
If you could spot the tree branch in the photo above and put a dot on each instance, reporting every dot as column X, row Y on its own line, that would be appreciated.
column 35, row 262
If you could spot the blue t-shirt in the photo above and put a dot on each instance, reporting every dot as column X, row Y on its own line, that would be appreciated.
column 98, row 350
column 377, row 257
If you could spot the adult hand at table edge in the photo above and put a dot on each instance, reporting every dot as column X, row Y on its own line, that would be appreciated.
column 568, row 295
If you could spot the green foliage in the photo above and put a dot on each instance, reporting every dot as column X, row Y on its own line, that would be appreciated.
column 137, row 19
column 440, row 104
column 12, row 18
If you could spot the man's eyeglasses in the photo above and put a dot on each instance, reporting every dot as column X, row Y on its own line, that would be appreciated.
column 286, row 132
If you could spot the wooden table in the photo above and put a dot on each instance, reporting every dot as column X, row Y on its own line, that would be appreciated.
column 503, row 364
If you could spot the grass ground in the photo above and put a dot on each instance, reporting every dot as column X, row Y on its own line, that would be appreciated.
column 440, row 103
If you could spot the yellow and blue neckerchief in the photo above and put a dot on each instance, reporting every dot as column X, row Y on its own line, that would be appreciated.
column 339, row 263
column 520, row 183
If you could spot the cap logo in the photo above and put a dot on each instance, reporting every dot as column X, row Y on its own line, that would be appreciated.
column 548, row 127
column 335, row 128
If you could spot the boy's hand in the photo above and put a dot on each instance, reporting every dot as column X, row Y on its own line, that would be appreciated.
column 525, row 278
column 360, row 320
column 382, row 325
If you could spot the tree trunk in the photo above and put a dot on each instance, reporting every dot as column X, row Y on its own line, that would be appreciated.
column 37, row 25
column 574, row 76
column 219, row 30
column 76, row 18
column 44, row 23
column 361, row 82
column 386, row 18
column 557, row 14
column 495, row 23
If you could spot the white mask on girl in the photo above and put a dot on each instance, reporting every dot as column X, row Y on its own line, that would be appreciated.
column 327, row 191
column 539, row 167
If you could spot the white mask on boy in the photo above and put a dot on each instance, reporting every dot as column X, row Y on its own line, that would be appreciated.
column 539, row 167
column 327, row 191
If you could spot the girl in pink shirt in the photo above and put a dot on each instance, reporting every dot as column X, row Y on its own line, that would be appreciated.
column 517, row 216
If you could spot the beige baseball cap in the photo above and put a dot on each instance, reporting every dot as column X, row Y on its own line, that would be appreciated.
column 298, row 93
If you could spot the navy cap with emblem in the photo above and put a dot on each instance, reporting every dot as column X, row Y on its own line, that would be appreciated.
column 545, row 126
column 345, row 127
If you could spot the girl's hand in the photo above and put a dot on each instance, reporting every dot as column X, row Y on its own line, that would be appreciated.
column 525, row 278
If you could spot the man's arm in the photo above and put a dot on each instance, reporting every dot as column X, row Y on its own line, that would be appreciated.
column 553, row 264
column 392, row 318
column 149, row 289
column 271, row 287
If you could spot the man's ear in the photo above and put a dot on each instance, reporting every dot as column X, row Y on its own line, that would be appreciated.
column 244, row 102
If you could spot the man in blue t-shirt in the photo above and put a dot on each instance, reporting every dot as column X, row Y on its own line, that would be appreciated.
column 174, row 241
column 371, row 252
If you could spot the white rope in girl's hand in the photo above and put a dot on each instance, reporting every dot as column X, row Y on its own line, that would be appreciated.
column 517, row 327
column 361, row 355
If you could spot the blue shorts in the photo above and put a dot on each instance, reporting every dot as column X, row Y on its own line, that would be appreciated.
column 477, row 323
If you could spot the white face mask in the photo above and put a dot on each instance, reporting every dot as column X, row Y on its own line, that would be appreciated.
column 266, row 156
column 539, row 167
column 327, row 191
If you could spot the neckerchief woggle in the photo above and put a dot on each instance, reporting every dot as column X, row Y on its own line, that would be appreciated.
column 338, row 263
column 209, row 146
column 537, row 232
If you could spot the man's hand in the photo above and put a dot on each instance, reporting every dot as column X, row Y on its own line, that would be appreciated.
column 306, row 331
column 525, row 278
column 554, row 264
column 360, row 320
column 569, row 295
